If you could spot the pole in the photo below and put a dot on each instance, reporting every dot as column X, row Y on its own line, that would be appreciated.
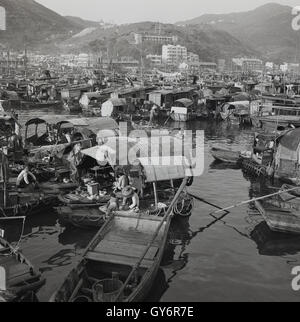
column 252, row 200
column 155, row 194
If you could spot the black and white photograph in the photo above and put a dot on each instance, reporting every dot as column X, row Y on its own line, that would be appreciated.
column 149, row 153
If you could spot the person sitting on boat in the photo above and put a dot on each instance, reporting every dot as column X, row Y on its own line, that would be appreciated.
column 127, row 193
column 26, row 178
column 122, row 181
column 112, row 205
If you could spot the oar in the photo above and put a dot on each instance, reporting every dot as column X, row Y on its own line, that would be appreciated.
column 251, row 200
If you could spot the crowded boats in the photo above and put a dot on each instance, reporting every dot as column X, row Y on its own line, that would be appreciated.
column 68, row 161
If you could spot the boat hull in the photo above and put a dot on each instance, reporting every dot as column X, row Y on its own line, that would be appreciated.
column 279, row 220
column 80, row 217
column 117, row 248
column 227, row 156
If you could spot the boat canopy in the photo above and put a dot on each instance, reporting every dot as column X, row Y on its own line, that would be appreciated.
column 291, row 140
column 159, row 165
column 184, row 102
column 177, row 169
column 95, row 124
column 47, row 119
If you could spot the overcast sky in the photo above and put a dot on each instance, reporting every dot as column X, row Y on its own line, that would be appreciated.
column 124, row 11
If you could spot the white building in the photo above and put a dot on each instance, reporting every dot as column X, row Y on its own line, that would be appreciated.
column 83, row 60
column 155, row 59
column 159, row 39
column 172, row 54
column 192, row 58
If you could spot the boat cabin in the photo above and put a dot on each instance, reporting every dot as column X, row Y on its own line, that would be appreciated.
column 167, row 98
column 183, row 110
column 115, row 108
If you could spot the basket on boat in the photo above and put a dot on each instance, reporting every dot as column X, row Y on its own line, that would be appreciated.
column 107, row 290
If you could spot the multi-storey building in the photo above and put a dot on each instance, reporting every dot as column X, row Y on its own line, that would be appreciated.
column 249, row 64
column 192, row 58
column 159, row 39
column 155, row 59
column 172, row 54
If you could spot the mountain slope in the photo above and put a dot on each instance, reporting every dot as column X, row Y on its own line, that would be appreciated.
column 267, row 29
column 209, row 43
column 81, row 22
column 29, row 22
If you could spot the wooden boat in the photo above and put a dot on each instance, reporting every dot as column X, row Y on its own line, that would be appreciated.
column 225, row 155
column 279, row 219
column 28, row 204
column 73, row 199
column 48, row 186
column 80, row 216
column 39, row 105
column 129, row 248
column 22, row 281
column 117, row 248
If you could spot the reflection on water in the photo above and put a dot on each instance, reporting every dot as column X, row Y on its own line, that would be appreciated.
column 230, row 256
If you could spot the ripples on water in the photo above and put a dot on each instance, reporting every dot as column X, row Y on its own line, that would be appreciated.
column 235, row 259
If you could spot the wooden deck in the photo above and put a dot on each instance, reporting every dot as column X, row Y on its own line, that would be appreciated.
column 124, row 248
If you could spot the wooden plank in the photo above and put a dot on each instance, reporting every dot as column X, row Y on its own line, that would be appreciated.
column 130, row 237
column 130, row 250
column 117, row 259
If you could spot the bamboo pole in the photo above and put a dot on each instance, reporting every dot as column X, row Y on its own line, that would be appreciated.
column 168, row 213
column 252, row 200
column 155, row 194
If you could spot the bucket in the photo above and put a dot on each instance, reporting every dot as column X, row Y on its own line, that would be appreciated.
column 82, row 299
column 107, row 290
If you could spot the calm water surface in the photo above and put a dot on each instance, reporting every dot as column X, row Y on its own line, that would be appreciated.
column 236, row 259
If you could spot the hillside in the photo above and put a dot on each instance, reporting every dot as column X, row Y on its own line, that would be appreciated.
column 209, row 43
column 29, row 22
column 81, row 22
column 267, row 29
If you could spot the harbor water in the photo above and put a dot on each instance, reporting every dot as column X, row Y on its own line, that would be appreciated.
column 235, row 259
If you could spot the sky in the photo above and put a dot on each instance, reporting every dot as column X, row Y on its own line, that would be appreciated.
column 168, row 11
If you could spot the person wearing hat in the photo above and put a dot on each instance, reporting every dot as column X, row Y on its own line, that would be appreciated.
column 129, row 192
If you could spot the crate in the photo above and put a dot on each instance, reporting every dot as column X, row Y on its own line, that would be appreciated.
column 93, row 189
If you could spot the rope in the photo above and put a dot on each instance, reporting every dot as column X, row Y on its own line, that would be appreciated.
column 15, row 249
column 184, row 207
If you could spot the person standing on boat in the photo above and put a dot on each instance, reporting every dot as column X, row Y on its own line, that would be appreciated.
column 25, row 178
column 75, row 158
column 152, row 114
